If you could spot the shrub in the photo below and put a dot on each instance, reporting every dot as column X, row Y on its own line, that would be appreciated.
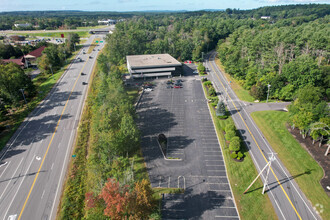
column 229, row 127
column 238, row 158
column 233, row 155
column 212, row 92
column 240, row 154
column 204, row 79
column 207, row 83
column 234, row 144
column 221, row 109
column 230, row 134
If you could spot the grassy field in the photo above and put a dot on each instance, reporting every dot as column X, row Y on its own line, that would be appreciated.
column 241, row 93
column 44, row 84
column 240, row 175
column 93, row 45
column 295, row 158
column 82, row 34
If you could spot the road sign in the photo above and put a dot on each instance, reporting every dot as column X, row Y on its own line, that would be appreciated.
column 97, row 41
column 74, row 155
column 101, row 41
column 62, row 35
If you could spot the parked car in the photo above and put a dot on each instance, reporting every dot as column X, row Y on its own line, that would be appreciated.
column 196, row 71
column 148, row 89
column 177, row 86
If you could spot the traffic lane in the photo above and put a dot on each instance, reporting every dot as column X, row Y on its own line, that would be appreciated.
column 66, row 126
column 304, row 205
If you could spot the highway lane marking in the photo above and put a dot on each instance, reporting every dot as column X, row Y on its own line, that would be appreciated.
column 294, row 208
column 10, row 179
column 3, row 165
column 51, row 140
column 19, row 186
column 43, row 194
column 52, row 166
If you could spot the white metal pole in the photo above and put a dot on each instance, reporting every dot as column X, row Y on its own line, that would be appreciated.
column 256, row 178
column 263, row 190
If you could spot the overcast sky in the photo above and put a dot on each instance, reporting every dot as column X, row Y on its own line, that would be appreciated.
column 141, row 5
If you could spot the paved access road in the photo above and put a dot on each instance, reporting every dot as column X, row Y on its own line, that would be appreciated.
column 34, row 162
column 182, row 114
column 288, row 200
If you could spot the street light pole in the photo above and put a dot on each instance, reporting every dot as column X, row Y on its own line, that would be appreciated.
column 51, row 69
column 22, row 90
column 268, row 92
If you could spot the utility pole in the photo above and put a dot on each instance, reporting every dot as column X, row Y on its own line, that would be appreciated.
column 271, row 159
column 22, row 91
column 268, row 92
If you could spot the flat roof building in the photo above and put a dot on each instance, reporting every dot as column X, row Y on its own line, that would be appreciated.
column 153, row 65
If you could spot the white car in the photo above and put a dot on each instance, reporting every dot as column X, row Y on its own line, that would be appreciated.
column 196, row 71
column 148, row 89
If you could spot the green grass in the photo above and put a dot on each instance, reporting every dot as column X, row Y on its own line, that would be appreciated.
column 294, row 157
column 82, row 34
column 133, row 93
column 241, row 93
column 91, row 27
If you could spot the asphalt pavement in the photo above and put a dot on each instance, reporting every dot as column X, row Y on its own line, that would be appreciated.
column 288, row 200
column 34, row 162
column 194, row 160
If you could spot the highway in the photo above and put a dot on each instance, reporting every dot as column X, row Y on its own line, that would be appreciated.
column 34, row 162
column 288, row 200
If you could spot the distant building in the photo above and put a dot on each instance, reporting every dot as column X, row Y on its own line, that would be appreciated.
column 153, row 65
column 265, row 17
column 107, row 22
column 23, row 25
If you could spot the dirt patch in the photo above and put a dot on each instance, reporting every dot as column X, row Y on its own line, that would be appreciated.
column 317, row 153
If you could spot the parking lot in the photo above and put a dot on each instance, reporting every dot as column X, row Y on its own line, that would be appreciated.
column 183, row 116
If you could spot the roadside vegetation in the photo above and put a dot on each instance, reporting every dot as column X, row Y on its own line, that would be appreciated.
column 13, row 108
column 109, row 179
column 303, row 168
column 240, row 174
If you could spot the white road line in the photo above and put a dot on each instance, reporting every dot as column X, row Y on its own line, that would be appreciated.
column 11, row 178
column 27, row 170
column 43, row 194
column 220, row 216
column 5, row 168
column 52, row 166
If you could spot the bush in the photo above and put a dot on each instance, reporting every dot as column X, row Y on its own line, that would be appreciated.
column 230, row 134
column 204, row 79
column 207, row 83
column 212, row 92
column 234, row 144
column 240, row 154
column 233, row 155
column 229, row 127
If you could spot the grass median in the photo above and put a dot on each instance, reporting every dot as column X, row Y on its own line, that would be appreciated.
column 305, row 170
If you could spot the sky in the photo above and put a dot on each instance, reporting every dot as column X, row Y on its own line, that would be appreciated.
column 142, row 5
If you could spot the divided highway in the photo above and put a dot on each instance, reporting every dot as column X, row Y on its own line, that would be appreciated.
column 288, row 200
column 34, row 162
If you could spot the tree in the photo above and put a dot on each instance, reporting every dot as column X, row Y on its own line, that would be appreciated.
column 12, row 79
column 116, row 198
column 142, row 200
column 258, row 91
column 302, row 121
column 221, row 109
column 201, row 68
